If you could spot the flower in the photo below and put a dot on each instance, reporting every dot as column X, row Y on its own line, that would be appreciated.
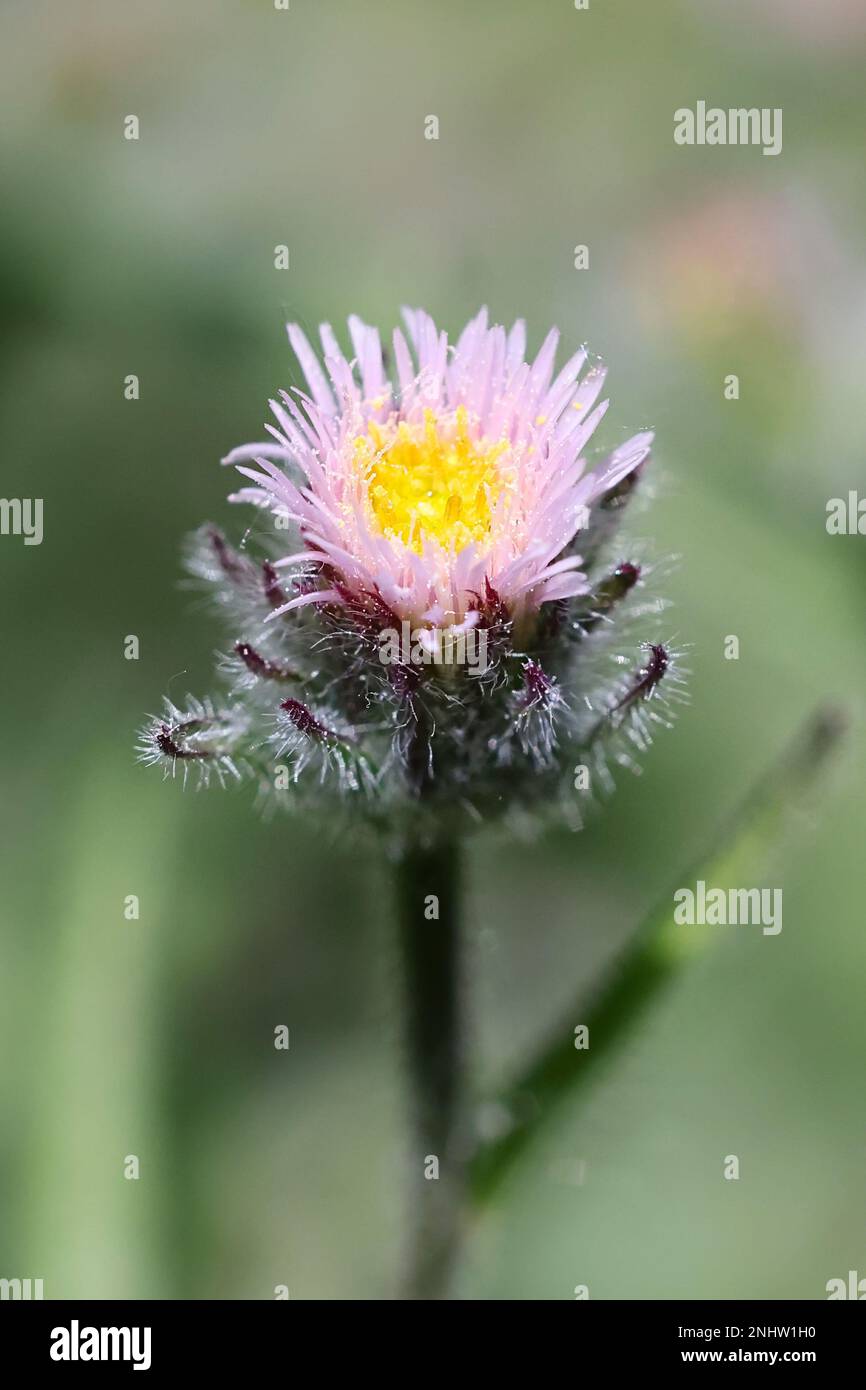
column 442, row 643
column 466, row 476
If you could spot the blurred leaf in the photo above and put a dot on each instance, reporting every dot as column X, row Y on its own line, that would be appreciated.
column 652, row 960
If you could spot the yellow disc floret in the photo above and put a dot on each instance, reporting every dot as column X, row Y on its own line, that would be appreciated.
column 431, row 480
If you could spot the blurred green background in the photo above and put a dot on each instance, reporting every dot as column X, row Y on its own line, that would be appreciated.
column 155, row 257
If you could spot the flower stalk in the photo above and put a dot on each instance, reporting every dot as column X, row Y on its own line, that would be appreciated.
column 428, row 881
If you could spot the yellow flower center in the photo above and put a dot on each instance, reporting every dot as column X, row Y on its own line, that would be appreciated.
column 431, row 480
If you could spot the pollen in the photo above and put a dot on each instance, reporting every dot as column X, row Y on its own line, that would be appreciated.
column 432, row 480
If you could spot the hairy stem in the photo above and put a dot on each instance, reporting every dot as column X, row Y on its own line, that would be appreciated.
column 428, row 891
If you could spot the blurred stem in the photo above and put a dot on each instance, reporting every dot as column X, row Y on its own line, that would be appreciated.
column 652, row 960
column 430, row 949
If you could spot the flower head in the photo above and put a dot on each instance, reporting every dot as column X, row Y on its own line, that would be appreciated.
column 431, row 620
column 466, row 474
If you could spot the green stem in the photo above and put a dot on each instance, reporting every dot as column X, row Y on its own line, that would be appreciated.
column 428, row 892
column 652, row 960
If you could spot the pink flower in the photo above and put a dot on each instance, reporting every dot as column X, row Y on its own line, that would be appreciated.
column 460, row 483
